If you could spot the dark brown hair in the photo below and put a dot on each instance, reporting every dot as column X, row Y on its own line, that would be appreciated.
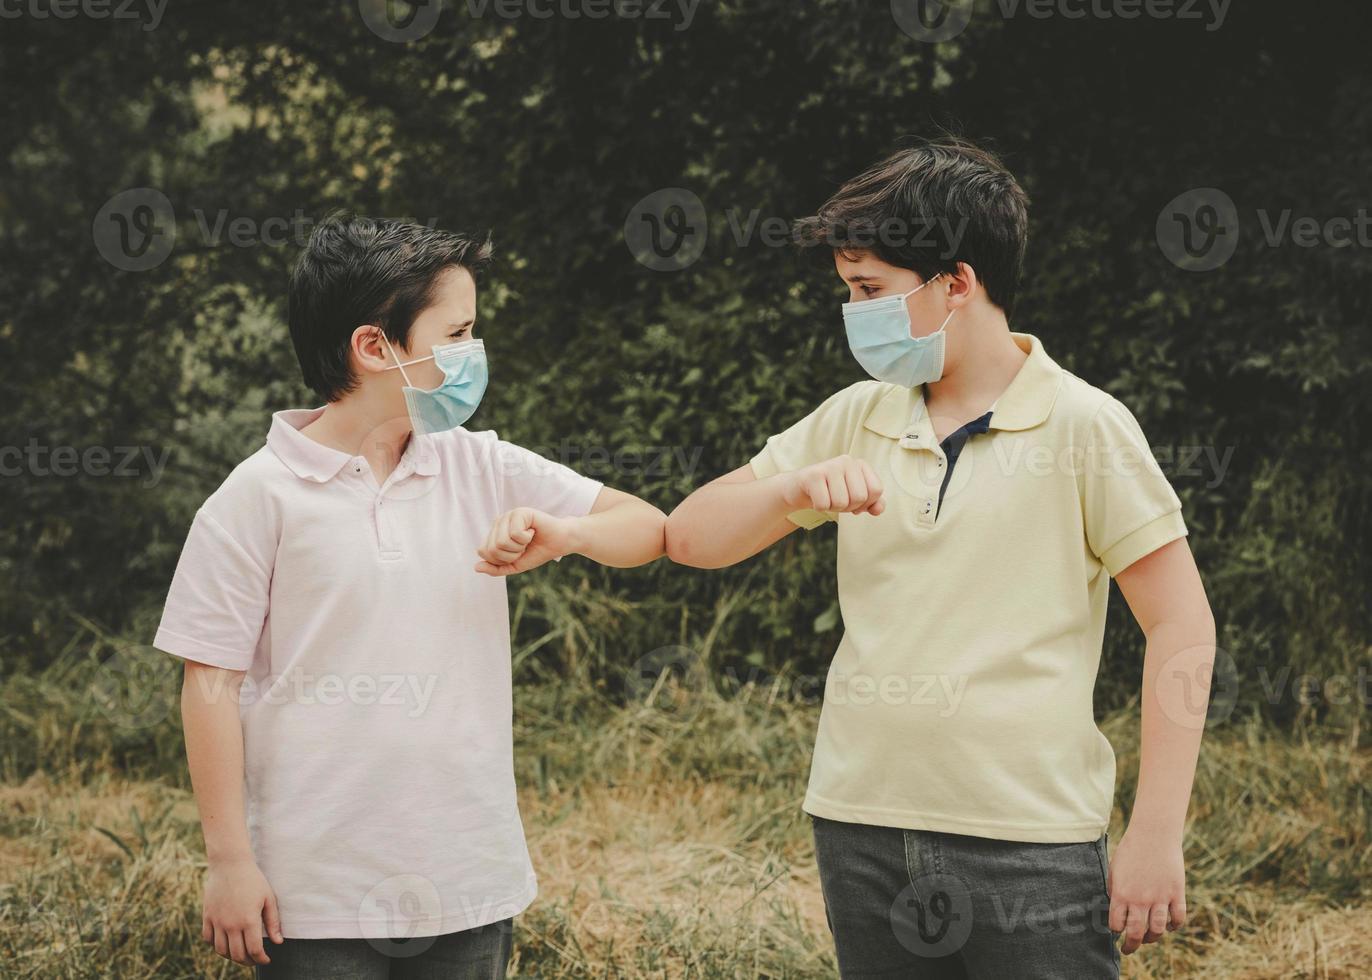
column 928, row 207
column 357, row 270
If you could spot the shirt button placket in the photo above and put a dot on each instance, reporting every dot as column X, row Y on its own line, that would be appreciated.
column 385, row 529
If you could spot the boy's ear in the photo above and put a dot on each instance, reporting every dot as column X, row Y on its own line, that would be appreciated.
column 368, row 350
column 962, row 285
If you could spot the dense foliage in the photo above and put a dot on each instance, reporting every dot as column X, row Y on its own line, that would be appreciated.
column 547, row 132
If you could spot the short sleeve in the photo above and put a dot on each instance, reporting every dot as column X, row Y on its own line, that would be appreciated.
column 1130, row 509
column 826, row 432
column 218, row 598
column 526, row 479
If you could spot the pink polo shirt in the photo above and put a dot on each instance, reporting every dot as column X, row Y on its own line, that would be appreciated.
column 376, row 707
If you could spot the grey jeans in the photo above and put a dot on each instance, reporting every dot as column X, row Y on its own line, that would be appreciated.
column 920, row 904
column 474, row 954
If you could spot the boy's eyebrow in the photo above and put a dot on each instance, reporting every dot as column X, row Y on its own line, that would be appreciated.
column 860, row 278
column 463, row 323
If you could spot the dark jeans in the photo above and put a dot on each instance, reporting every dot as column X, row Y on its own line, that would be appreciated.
column 474, row 954
column 919, row 904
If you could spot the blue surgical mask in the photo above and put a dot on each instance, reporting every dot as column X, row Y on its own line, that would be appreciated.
column 879, row 337
column 456, row 397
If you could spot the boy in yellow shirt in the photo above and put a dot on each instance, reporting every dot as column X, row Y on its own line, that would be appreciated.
column 984, row 497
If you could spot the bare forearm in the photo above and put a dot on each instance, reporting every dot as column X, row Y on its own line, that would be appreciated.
column 623, row 536
column 724, row 523
column 1177, row 669
column 214, row 754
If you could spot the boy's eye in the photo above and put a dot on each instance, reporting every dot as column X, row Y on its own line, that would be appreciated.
column 868, row 290
column 459, row 333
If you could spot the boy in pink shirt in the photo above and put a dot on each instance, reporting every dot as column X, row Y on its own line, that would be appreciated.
column 340, row 605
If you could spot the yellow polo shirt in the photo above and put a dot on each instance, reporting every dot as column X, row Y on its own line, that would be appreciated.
column 960, row 697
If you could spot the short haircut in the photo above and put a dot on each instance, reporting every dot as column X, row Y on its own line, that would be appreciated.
column 928, row 207
column 357, row 270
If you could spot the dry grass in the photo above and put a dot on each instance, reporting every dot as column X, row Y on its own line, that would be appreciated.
column 669, row 843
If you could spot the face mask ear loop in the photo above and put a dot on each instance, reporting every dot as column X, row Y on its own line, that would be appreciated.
column 397, row 361
column 921, row 286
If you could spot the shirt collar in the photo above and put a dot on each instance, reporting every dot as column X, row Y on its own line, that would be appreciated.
column 1023, row 405
column 319, row 463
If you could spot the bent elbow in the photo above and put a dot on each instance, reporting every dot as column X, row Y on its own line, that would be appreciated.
column 676, row 543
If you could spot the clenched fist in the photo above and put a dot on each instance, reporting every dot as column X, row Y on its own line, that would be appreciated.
column 842, row 485
column 525, row 538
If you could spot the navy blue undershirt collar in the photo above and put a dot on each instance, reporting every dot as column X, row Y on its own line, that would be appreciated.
column 952, row 448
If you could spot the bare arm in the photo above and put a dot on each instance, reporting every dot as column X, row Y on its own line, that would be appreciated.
column 738, row 515
column 621, row 531
column 238, row 898
column 1148, row 881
